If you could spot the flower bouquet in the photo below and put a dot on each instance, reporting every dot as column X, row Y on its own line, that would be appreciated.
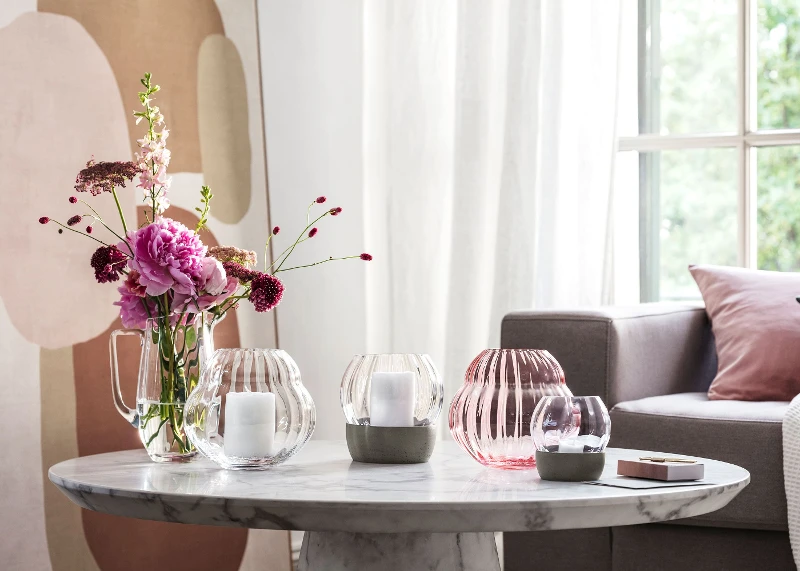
column 173, row 288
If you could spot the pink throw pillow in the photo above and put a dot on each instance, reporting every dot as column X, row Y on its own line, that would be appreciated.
column 756, row 322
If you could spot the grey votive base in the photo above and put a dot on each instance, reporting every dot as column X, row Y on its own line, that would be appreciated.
column 570, row 467
column 391, row 444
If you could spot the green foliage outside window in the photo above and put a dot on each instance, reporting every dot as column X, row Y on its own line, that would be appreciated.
column 697, row 91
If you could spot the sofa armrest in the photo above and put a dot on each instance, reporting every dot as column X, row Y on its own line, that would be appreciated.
column 622, row 353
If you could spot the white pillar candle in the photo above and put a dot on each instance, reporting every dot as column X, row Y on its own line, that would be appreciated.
column 570, row 446
column 392, row 398
column 249, row 424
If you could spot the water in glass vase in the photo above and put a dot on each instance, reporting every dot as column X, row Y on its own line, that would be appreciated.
column 161, row 431
column 172, row 360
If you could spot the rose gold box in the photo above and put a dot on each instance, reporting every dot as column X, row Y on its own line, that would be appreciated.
column 666, row 471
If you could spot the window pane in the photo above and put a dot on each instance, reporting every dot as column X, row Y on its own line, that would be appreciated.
column 778, row 64
column 687, row 72
column 779, row 208
column 626, row 229
column 696, row 223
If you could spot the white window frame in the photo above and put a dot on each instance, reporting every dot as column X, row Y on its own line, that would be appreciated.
column 746, row 140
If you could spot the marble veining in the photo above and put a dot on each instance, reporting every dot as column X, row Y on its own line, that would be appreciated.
column 321, row 489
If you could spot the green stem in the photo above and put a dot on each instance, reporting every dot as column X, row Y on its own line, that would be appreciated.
column 119, row 209
column 101, row 221
column 308, row 210
column 266, row 249
column 315, row 264
column 65, row 227
column 291, row 248
column 231, row 301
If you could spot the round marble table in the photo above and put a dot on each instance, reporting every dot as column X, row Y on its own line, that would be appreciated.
column 438, row 516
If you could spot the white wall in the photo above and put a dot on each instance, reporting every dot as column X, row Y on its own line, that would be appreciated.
column 312, row 64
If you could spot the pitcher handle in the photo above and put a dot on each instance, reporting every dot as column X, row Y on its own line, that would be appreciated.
column 129, row 414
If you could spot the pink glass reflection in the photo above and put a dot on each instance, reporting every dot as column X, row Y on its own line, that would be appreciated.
column 490, row 415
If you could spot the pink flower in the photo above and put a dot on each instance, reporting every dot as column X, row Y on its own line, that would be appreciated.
column 147, row 180
column 133, row 285
column 335, row 211
column 167, row 256
column 212, row 285
column 133, row 309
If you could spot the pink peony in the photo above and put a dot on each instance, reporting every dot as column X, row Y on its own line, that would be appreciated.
column 213, row 287
column 132, row 302
column 167, row 256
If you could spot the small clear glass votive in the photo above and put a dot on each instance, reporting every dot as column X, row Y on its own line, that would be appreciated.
column 570, row 435
column 250, row 409
column 391, row 403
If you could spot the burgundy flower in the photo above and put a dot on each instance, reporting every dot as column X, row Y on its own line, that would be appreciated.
column 366, row 257
column 104, row 176
column 321, row 199
column 44, row 220
column 312, row 232
column 266, row 292
column 239, row 272
column 73, row 199
column 335, row 211
column 276, row 229
column 89, row 229
column 74, row 220
column 108, row 263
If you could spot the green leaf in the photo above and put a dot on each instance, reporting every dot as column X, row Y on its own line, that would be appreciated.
column 205, row 201
column 191, row 336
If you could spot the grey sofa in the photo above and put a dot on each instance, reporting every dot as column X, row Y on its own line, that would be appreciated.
column 653, row 364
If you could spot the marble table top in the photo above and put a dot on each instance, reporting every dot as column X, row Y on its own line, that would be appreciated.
column 321, row 489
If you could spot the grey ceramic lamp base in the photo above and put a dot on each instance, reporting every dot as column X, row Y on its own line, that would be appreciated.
column 566, row 467
column 390, row 444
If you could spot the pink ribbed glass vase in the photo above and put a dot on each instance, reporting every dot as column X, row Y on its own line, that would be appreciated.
column 490, row 415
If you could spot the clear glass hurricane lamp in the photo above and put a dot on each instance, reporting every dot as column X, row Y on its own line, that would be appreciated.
column 250, row 410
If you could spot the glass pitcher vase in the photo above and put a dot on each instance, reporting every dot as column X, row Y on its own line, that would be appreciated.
column 172, row 358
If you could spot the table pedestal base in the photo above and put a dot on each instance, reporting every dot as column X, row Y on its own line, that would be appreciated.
column 340, row 551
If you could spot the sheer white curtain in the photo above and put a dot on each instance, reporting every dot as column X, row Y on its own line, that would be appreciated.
column 488, row 149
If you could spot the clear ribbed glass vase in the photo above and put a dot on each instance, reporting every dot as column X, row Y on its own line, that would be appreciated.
column 250, row 410
column 491, row 414
column 356, row 389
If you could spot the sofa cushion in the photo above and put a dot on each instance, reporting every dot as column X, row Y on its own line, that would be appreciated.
column 747, row 434
column 756, row 324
